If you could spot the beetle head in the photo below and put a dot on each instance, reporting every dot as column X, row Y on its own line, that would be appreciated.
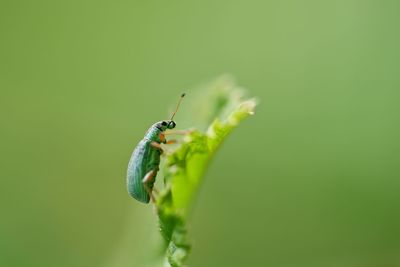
column 164, row 125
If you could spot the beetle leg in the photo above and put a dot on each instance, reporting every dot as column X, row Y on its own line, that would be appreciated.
column 162, row 137
column 178, row 132
column 146, row 180
column 157, row 145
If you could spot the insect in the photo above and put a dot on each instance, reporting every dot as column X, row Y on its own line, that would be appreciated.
column 145, row 160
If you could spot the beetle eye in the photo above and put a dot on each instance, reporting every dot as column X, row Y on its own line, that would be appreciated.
column 171, row 125
column 164, row 123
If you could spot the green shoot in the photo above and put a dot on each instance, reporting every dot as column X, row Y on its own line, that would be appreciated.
column 185, row 167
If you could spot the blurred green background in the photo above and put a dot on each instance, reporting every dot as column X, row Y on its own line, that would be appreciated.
column 311, row 180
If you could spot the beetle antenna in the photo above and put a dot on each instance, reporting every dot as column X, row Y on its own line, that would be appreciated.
column 177, row 106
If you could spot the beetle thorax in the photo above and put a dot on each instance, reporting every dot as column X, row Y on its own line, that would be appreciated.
column 153, row 134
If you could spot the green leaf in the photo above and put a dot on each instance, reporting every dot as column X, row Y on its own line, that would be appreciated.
column 184, row 168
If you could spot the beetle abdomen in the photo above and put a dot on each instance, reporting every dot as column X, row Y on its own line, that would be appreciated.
column 144, row 159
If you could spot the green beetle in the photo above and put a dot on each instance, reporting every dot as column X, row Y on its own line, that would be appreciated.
column 145, row 160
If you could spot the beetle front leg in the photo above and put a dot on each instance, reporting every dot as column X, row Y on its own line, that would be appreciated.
column 178, row 132
column 149, row 177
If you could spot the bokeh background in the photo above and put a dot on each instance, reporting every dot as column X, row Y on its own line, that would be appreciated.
column 311, row 180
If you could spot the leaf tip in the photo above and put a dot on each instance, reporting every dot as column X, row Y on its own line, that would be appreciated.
column 249, row 106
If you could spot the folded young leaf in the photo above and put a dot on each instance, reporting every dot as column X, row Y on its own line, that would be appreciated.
column 185, row 167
